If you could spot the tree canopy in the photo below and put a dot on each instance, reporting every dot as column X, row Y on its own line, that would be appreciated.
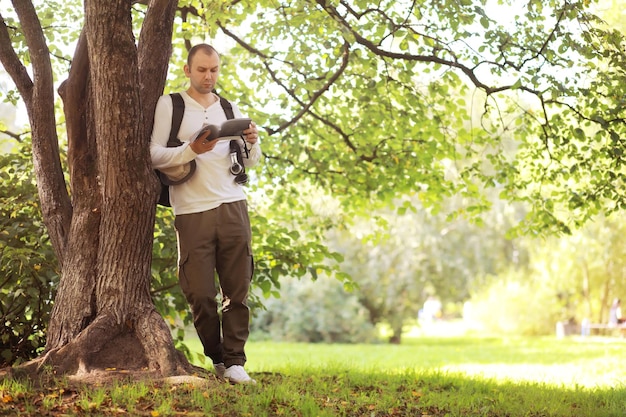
column 439, row 99
column 436, row 99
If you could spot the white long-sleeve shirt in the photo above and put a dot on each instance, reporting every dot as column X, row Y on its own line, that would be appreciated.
column 212, row 184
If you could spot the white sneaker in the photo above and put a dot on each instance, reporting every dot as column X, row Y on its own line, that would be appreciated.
column 220, row 369
column 235, row 374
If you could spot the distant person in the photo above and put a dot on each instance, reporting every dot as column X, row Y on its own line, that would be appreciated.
column 615, row 314
column 432, row 309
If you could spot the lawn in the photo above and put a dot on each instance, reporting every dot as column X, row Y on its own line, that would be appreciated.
column 569, row 362
column 425, row 377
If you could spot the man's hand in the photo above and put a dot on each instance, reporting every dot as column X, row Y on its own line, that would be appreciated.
column 251, row 134
column 201, row 145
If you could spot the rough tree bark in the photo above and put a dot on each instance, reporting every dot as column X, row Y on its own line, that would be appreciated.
column 103, row 315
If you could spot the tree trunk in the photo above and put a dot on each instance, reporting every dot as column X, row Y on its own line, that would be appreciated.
column 103, row 316
column 73, row 310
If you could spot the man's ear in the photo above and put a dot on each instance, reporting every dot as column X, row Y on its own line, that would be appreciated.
column 186, row 69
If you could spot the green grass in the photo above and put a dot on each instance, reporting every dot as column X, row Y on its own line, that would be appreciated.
column 424, row 377
column 588, row 362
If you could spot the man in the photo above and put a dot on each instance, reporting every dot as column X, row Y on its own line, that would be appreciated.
column 212, row 223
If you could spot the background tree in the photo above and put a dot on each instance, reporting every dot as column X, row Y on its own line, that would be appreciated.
column 366, row 102
column 398, row 260
column 566, row 279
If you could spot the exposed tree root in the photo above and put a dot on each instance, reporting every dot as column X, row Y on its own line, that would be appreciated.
column 105, row 352
column 104, row 378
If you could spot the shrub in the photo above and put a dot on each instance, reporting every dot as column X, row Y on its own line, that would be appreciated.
column 28, row 266
column 314, row 311
column 515, row 304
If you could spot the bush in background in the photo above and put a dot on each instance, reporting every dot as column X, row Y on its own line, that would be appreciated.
column 313, row 312
column 28, row 266
column 515, row 304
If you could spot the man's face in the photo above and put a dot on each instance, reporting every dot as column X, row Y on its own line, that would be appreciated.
column 203, row 72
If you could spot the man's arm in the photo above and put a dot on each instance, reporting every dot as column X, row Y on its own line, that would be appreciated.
column 161, row 155
column 254, row 154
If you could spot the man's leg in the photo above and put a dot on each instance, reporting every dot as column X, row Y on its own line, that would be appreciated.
column 196, row 274
column 234, row 268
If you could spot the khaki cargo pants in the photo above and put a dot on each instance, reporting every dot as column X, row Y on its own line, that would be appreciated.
column 210, row 242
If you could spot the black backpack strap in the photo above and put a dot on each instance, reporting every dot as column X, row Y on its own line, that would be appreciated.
column 177, row 118
column 228, row 111
column 241, row 178
column 227, row 107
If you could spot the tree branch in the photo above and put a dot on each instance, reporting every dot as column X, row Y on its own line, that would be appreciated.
column 361, row 40
column 13, row 135
column 55, row 201
column 13, row 65
column 306, row 106
column 154, row 51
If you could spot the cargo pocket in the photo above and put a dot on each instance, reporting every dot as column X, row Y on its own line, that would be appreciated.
column 251, row 261
column 183, row 257
column 182, row 277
